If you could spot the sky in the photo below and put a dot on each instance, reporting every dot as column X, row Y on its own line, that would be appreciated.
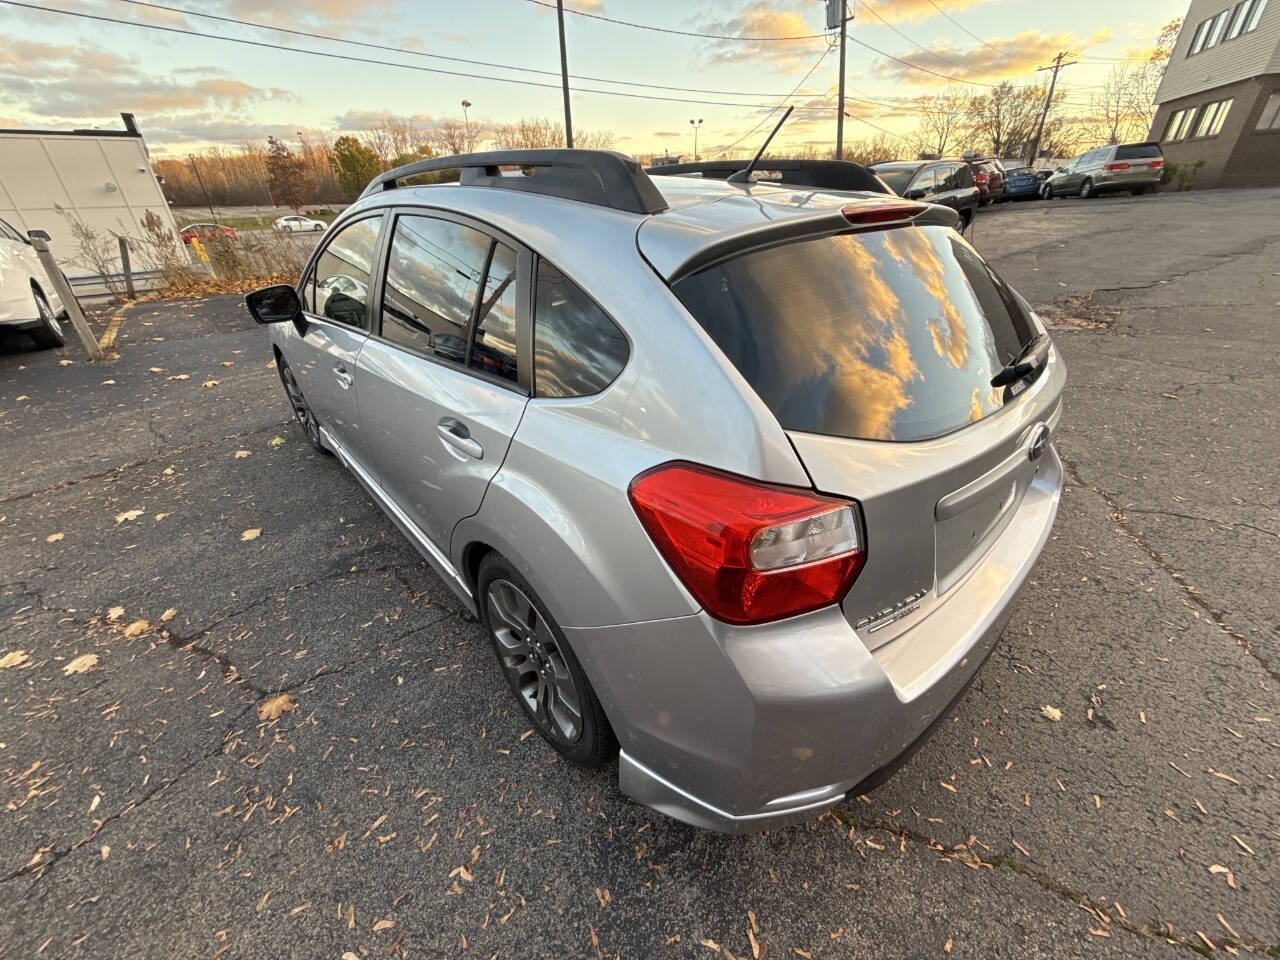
column 189, row 92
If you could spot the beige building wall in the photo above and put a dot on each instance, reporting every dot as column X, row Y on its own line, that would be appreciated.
column 102, row 177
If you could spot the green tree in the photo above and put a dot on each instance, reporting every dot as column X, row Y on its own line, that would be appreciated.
column 355, row 165
column 287, row 174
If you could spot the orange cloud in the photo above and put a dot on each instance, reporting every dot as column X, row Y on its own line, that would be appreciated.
column 1013, row 56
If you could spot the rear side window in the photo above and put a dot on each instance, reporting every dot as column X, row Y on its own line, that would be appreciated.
column 888, row 335
column 432, row 279
column 339, row 288
column 1138, row 151
column 577, row 349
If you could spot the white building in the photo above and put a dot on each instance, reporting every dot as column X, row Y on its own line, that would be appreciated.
column 100, row 178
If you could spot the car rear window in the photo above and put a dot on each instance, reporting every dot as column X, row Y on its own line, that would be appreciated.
column 887, row 335
column 896, row 178
column 1140, row 151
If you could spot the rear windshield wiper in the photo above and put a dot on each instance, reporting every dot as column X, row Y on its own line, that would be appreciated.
column 1027, row 361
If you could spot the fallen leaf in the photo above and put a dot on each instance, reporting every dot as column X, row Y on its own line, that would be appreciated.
column 81, row 664
column 181, row 376
column 348, row 955
column 168, row 614
column 1243, row 846
column 251, row 534
column 115, row 613
column 128, row 515
column 137, row 628
column 160, row 516
column 20, row 398
column 156, row 370
column 946, row 947
column 209, row 383
column 65, row 363
column 93, row 804
column 276, row 441
column 14, row 658
column 1218, row 868
column 53, row 537
column 106, row 851
column 241, row 454
column 273, row 707
column 1051, row 713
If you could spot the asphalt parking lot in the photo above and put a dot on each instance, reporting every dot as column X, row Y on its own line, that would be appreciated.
column 401, row 809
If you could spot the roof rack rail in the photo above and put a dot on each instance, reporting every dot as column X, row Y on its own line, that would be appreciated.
column 601, row 177
column 819, row 174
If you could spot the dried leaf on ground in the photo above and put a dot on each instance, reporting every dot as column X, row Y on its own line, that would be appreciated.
column 273, row 707
column 54, row 537
column 81, row 664
column 128, row 515
column 181, row 376
column 1051, row 713
column 251, row 534
column 241, row 454
column 209, row 383
column 115, row 613
column 381, row 925
column 14, row 658
column 160, row 516
column 276, row 441
column 1231, row 877
column 137, row 628
column 168, row 614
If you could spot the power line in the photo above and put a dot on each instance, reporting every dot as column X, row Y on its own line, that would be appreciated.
column 854, row 116
column 783, row 103
column 964, row 29
column 936, row 56
column 384, row 63
column 434, row 56
column 916, row 66
column 679, row 33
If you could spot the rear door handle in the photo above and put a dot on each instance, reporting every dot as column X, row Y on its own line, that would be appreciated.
column 455, row 433
column 344, row 379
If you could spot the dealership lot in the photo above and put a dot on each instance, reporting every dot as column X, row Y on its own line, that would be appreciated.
column 150, row 806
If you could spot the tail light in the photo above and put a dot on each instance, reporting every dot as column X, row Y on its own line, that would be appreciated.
column 882, row 213
column 980, row 177
column 1155, row 163
column 1115, row 166
column 750, row 552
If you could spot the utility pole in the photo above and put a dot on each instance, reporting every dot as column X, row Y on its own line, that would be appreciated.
column 1048, row 102
column 564, row 77
column 695, row 124
column 836, row 19
column 200, row 180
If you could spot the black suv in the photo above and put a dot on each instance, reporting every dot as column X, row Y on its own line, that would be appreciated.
column 947, row 182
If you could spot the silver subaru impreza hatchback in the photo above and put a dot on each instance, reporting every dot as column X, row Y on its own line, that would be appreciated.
column 742, row 476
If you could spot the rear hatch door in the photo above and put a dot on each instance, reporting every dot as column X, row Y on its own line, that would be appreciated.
column 876, row 351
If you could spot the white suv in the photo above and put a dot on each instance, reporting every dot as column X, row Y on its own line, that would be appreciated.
column 28, row 301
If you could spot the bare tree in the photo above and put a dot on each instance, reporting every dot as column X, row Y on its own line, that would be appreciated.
column 944, row 118
column 534, row 133
column 453, row 136
column 1003, row 120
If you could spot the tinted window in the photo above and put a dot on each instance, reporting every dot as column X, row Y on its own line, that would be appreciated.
column 888, row 335
column 926, row 180
column 577, row 350
column 1138, row 151
column 339, row 287
column 964, row 176
column 494, row 348
column 432, row 279
column 896, row 178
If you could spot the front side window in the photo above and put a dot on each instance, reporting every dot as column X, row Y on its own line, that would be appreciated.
column 885, row 335
column 1270, row 119
column 338, row 288
column 577, row 350
column 433, row 277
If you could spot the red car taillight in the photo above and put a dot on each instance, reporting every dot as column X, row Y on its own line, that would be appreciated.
column 1155, row 163
column 980, row 178
column 750, row 552
column 1115, row 166
column 882, row 213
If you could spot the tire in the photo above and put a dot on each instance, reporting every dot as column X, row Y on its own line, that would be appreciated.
column 318, row 228
column 1086, row 190
column 540, row 668
column 1137, row 191
column 301, row 409
column 49, row 335
column 966, row 220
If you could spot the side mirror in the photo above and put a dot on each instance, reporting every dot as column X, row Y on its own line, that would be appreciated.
column 274, row 304
column 916, row 193
column 38, row 235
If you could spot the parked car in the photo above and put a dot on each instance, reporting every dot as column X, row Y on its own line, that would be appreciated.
column 296, row 224
column 1021, row 183
column 28, row 301
column 989, row 177
column 1136, row 167
column 206, row 232
column 946, row 182
column 744, row 478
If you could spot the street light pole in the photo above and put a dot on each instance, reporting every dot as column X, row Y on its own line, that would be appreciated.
column 564, row 77
column 466, row 119
column 200, row 180
column 695, row 124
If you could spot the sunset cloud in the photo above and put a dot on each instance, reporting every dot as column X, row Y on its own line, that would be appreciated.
column 1022, row 55
column 763, row 19
column 909, row 11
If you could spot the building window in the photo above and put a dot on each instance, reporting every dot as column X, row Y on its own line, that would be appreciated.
column 1270, row 119
column 1255, row 15
column 1238, row 17
column 1212, row 117
column 1215, row 31
column 1197, row 40
column 1179, row 124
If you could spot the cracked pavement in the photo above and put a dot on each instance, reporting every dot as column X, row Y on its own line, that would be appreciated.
column 402, row 810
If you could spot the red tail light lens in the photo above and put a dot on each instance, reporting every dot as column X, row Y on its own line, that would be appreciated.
column 750, row 552
column 1155, row 163
column 1115, row 166
column 882, row 213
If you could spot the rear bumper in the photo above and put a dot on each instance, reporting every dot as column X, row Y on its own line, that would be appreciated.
column 1120, row 182
column 737, row 729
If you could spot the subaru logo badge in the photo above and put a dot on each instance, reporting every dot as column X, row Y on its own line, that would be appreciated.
column 1039, row 442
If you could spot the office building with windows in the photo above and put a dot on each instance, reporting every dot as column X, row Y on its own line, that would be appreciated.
column 1219, row 101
